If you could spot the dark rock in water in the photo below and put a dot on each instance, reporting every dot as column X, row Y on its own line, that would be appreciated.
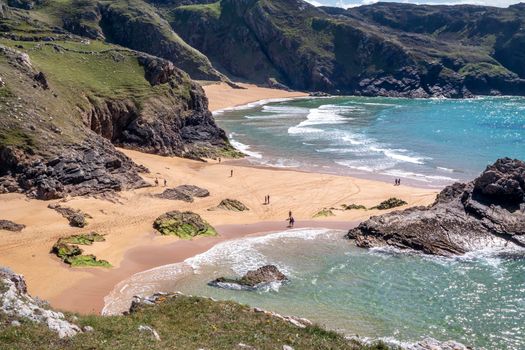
column 252, row 279
column 184, row 193
column 183, row 224
column 11, row 226
column 231, row 205
column 76, row 217
column 488, row 212
column 319, row 94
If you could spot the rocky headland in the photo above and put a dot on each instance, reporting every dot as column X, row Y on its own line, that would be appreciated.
column 488, row 212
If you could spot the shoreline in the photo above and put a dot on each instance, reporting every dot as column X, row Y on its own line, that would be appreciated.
column 132, row 245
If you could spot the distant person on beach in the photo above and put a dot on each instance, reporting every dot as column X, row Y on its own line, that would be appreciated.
column 292, row 221
column 219, row 160
column 231, row 173
column 399, row 182
column 165, row 182
column 268, row 196
column 156, row 182
column 289, row 214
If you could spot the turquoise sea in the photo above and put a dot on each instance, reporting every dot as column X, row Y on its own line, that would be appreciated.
column 426, row 142
column 477, row 299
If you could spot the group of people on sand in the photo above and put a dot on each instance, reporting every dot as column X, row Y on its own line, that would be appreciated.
column 397, row 182
column 157, row 182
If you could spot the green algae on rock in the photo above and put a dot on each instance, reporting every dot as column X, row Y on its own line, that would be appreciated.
column 390, row 203
column 67, row 249
column 325, row 212
column 231, row 205
column 183, row 224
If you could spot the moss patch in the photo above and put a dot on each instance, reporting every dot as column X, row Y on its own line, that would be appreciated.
column 325, row 212
column 353, row 207
column 67, row 249
column 390, row 203
column 183, row 224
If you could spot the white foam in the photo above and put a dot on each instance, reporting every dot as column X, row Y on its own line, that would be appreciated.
column 417, row 176
column 448, row 170
column 243, row 148
column 399, row 154
column 242, row 254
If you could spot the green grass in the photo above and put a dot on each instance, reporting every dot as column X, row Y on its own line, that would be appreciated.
column 17, row 138
column 484, row 68
column 182, row 323
column 213, row 9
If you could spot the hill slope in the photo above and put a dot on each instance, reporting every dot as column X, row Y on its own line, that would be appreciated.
column 66, row 100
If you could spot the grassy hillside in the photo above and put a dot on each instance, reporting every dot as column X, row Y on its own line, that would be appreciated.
column 181, row 323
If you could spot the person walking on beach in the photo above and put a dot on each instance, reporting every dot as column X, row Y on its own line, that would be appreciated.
column 156, row 182
column 165, row 183
column 399, row 182
column 231, row 173
column 265, row 200
column 268, row 196
column 291, row 220
column 289, row 214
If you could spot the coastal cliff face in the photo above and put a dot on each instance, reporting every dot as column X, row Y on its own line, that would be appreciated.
column 423, row 51
column 66, row 101
column 488, row 212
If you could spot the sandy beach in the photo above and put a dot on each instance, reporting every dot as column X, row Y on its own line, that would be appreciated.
column 132, row 245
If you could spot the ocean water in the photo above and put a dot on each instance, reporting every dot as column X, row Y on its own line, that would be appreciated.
column 477, row 299
column 429, row 142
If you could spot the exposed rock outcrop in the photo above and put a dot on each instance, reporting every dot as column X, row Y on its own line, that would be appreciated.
column 11, row 226
column 184, row 193
column 487, row 212
column 231, row 205
column 183, row 224
column 15, row 302
column 252, row 280
column 69, row 252
column 76, row 217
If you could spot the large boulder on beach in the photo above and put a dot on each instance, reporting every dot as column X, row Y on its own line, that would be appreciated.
column 184, row 193
column 11, row 226
column 183, row 224
column 76, row 217
column 231, row 205
column 253, row 279
column 488, row 212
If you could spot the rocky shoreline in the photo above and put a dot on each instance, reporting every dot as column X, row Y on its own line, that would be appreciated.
column 488, row 212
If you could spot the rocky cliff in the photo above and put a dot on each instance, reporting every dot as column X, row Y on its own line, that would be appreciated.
column 383, row 49
column 488, row 212
column 66, row 101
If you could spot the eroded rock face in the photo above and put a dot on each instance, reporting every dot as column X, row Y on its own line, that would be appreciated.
column 15, row 302
column 252, row 280
column 487, row 212
column 231, row 205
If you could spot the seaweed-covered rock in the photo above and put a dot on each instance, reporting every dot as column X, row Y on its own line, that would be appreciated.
column 231, row 205
column 325, row 212
column 11, row 226
column 488, row 212
column 353, row 207
column 183, row 224
column 76, row 217
column 184, row 193
column 67, row 249
column 390, row 203
column 253, row 279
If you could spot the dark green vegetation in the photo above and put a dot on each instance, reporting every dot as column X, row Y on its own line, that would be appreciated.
column 70, row 253
column 390, row 203
column 181, row 323
column 183, row 224
column 65, row 100
column 325, row 212
column 353, row 207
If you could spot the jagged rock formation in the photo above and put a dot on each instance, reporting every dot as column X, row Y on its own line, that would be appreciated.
column 184, row 193
column 76, row 218
column 252, row 280
column 183, row 224
column 15, row 302
column 11, row 226
column 487, row 212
